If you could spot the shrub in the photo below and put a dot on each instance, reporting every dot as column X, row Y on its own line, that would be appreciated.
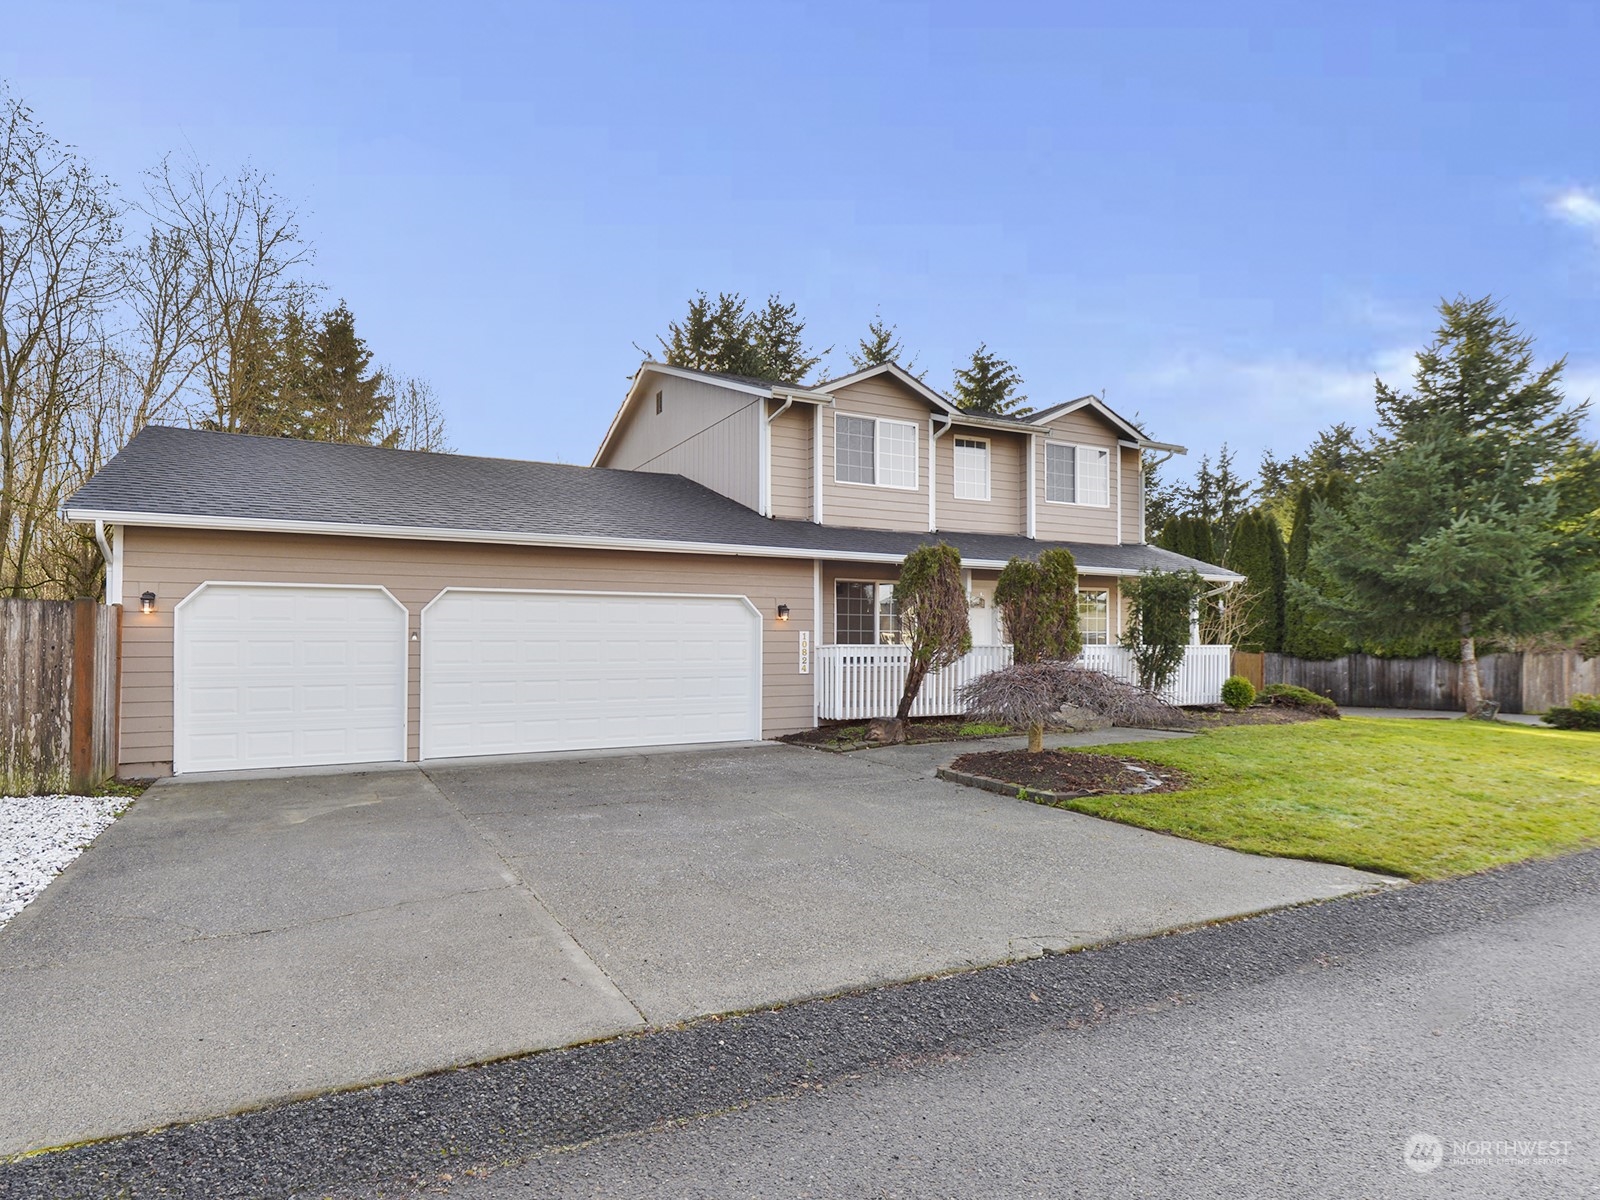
column 1160, row 604
column 1290, row 696
column 1025, row 694
column 1238, row 692
column 1582, row 713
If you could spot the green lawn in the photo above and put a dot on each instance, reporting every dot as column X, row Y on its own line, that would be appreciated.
column 1423, row 799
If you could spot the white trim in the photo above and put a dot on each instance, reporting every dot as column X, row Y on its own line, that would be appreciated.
column 1116, row 454
column 757, row 714
column 1033, row 486
column 988, row 468
column 1049, row 415
column 648, row 367
column 816, row 464
column 898, row 372
column 816, row 637
column 410, row 533
column 405, row 654
column 877, row 453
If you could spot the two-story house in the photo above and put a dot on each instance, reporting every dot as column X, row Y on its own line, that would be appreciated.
column 295, row 603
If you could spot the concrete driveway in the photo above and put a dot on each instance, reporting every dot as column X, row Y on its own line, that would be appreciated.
column 231, row 944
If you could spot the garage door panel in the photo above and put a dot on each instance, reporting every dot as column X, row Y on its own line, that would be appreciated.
column 270, row 676
column 521, row 672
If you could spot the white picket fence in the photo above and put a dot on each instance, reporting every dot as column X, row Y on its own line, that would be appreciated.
column 855, row 683
column 858, row 682
column 1198, row 680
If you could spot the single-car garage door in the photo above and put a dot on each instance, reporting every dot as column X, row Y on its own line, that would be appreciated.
column 513, row 672
column 266, row 675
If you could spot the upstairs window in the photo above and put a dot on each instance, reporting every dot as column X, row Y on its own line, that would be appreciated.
column 1094, row 616
column 875, row 451
column 1077, row 474
column 972, row 468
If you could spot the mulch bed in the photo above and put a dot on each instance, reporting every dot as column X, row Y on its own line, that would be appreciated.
column 1069, row 772
column 853, row 735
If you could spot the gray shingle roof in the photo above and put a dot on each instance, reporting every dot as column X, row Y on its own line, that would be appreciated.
column 237, row 479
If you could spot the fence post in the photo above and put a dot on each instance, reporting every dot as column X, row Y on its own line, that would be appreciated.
column 81, row 777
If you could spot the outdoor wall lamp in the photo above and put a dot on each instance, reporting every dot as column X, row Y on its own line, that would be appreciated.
column 147, row 602
column 783, row 612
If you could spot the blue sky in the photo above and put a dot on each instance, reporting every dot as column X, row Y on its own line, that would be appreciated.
column 1227, row 217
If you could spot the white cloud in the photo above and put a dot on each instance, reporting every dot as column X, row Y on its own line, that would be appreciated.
column 1576, row 206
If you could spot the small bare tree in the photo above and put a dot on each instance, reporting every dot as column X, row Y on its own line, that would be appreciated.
column 415, row 419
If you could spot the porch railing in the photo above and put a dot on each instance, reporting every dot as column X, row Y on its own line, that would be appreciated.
column 859, row 682
column 1198, row 681
column 855, row 683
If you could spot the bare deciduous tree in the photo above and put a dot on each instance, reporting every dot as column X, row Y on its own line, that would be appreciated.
column 60, row 243
column 415, row 420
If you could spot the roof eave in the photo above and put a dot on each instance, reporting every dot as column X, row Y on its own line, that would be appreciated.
column 157, row 520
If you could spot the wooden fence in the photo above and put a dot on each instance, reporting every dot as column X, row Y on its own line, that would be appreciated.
column 1519, row 682
column 59, row 662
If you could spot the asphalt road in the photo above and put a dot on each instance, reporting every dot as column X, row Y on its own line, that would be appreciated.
column 1309, row 1083
column 1289, row 1054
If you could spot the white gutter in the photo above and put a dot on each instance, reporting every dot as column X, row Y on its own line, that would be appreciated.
column 933, row 470
column 559, row 541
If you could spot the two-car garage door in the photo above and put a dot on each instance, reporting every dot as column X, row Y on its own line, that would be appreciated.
column 270, row 675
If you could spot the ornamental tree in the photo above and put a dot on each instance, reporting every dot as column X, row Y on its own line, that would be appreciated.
column 932, row 604
column 1038, row 601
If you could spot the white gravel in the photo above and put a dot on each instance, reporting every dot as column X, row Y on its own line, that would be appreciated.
column 40, row 836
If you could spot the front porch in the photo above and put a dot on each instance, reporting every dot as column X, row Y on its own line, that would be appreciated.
column 855, row 683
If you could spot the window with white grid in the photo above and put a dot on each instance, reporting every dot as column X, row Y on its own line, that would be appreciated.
column 864, row 614
column 1077, row 474
column 972, row 468
column 897, row 454
column 1094, row 616
column 853, row 449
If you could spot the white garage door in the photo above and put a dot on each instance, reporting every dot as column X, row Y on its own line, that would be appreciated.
column 515, row 672
column 270, row 676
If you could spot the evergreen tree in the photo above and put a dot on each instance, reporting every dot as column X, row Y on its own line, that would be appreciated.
column 989, row 384
column 777, row 342
column 347, row 400
column 1456, row 529
column 1256, row 551
column 725, row 337
column 880, row 346
column 1305, row 631
column 1336, row 451
column 1189, row 536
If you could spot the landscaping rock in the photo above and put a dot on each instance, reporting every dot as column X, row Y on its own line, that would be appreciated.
column 1071, row 719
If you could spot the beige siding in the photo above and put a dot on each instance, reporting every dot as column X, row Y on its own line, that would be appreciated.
column 172, row 563
column 1006, row 509
column 1076, row 522
column 793, row 465
column 1132, row 496
column 709, row 434
column 862, row 505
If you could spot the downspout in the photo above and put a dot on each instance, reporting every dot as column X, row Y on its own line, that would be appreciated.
column 766, row 454
column 1144, row 534
column 816, row 464
column 933, row 472
column 113, row 583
